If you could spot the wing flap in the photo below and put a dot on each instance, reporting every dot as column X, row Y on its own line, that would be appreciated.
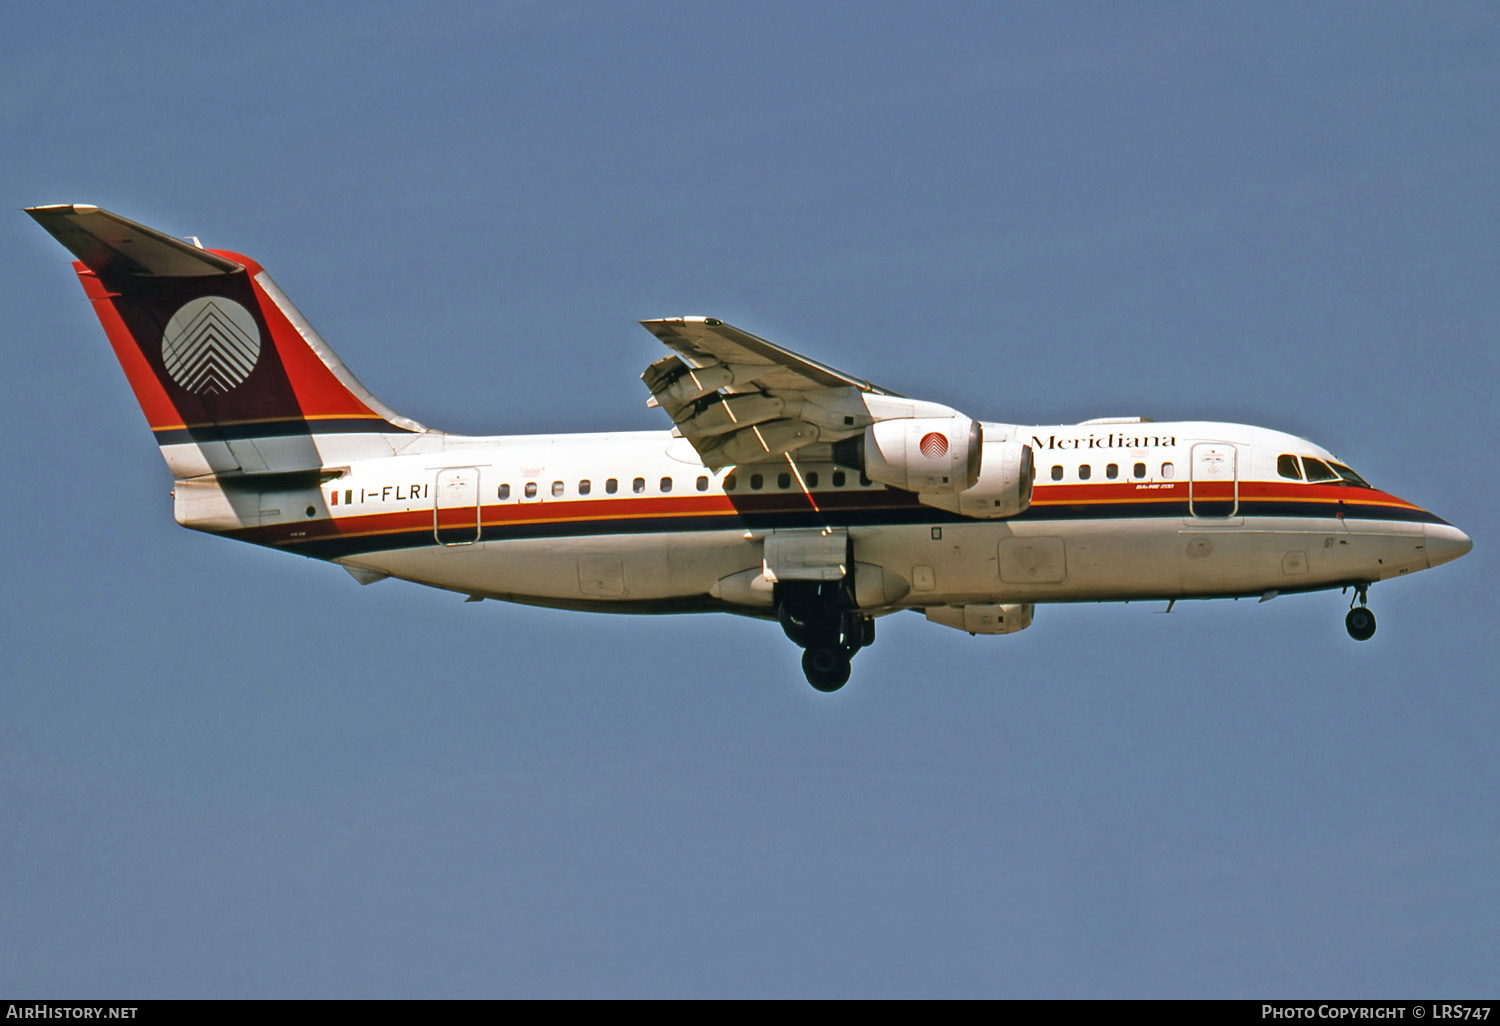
column 741, row 399
column 705, row 342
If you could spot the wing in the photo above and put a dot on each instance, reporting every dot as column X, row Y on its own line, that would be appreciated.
column 740, row 399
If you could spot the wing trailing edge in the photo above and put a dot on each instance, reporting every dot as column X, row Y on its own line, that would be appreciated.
column 741, row 399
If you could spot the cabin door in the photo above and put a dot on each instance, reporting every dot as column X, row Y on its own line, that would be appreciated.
column 1214, row 490
column 455, row 514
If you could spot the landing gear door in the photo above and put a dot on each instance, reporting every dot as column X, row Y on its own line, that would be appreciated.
column 810, row 554
column 455, row 515
column 1214, row 490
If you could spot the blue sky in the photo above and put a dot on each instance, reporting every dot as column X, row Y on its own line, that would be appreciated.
column 230, row 772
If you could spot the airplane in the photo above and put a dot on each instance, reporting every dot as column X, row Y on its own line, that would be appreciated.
column 786, row 490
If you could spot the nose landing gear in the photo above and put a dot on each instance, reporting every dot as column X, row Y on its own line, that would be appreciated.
column 819, row 619
column 1360, row 623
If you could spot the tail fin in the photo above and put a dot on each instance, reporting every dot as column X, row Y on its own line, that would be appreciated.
column 231, row 377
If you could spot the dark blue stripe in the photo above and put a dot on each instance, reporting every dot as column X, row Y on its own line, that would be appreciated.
column 330, row 548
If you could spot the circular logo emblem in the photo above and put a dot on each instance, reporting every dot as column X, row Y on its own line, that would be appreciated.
column 933, row 445
column 210, row 345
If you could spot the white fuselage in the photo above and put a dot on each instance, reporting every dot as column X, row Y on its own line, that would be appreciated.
column 634, row 522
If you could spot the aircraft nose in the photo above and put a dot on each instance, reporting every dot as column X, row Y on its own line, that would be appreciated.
column 1445, row 543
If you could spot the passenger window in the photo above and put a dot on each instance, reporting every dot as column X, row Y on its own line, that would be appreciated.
column 838, row 479
column 864, row 479
column 1317, row 470
column 702, row 484
column 504, row 492
column 666, row 485
column 611, row 486
column 1112, row 471
column 557, row 489
column 1057, row 473
column 757, row 482
column 1139, row 470
column 585, row 486
column 1287, row 466
column 530, row 489
column 1084, row 472
column 783, row 480
column 638, row 485
column 1167, row 470
column 811, row 477
column 730, row 482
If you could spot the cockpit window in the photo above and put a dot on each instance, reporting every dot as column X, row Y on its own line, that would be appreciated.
column 1317, row 470
column 1287, row 466
column 1349, row 476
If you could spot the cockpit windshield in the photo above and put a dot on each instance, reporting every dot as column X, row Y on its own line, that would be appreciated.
column 1312, row 469
column 1317, row 470
column 1349, row 476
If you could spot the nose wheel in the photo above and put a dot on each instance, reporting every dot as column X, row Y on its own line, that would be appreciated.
column 1360, row 623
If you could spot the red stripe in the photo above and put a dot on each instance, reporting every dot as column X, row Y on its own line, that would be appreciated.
column 632, row 507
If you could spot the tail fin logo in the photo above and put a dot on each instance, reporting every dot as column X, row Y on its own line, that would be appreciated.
column 211, row 345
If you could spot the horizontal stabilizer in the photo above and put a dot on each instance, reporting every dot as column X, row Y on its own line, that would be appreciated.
column 113, row 247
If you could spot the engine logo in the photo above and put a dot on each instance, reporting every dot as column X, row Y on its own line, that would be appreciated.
column 211, row 345
column 933, row 445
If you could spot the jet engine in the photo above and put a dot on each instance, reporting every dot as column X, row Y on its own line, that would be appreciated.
column 1007, row 470
column 917, row 454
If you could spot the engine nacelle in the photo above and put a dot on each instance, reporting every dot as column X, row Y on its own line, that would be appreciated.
column 1007, row 471
column 984, row 619
column 920, row 454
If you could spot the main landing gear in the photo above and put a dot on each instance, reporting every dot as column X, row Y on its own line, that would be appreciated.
column 819, row 618
column 1360, row 622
